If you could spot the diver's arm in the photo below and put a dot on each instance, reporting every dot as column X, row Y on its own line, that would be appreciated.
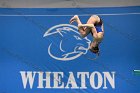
column 86, row 25
column 85, row 29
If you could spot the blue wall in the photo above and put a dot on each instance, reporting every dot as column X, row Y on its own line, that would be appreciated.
column 23, row 47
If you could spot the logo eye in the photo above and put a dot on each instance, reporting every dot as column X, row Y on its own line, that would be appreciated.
column 78, row 38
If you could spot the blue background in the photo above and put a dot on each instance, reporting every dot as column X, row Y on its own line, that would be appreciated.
column 23, row 48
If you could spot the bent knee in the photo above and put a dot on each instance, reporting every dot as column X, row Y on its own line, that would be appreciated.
column 95, row 17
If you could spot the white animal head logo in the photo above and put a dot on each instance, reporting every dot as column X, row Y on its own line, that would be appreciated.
column 67, row 44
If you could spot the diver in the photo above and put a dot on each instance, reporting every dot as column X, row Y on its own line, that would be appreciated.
column 94, row 26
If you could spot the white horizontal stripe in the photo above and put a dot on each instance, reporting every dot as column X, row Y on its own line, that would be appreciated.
column 137, row 70
column 79, row 14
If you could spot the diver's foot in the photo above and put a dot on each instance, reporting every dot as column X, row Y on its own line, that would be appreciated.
column 73, row 19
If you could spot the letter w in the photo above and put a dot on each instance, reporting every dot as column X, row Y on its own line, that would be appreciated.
column 27, row 76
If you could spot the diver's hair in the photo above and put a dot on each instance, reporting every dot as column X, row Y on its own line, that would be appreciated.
column 94, row 50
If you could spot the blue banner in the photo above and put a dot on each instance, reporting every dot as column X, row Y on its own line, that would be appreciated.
column 41, row 52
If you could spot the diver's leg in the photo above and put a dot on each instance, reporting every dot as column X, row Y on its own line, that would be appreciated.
column 80, row 28
column 92, row 20
column 97, row 36
column 85, row 29
column 89, row 26
column 75, row 18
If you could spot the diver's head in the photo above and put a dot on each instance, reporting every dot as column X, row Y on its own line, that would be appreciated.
column 94, row 50
column 94, row 47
